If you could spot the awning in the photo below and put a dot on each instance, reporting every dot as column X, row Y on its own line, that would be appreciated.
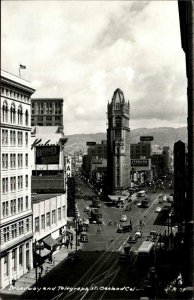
column 49, row 241
column 43, row 252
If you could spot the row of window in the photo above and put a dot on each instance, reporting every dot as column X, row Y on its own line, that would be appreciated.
column 14, row 206
column 13, row 263
column 12, row 159
column 15, row 95
column 6, row 135
column 11, row 117
column 46, row 108
column 49, row 220
column 12, row 231
column 12, row 181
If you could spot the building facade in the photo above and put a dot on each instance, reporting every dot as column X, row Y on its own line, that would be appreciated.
column 118, row 144
column 186, row 17
column 15, row 176
column 47, row 112
column 49, row 218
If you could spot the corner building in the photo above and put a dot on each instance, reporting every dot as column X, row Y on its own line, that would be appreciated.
column 15, row 176
column 118, row 144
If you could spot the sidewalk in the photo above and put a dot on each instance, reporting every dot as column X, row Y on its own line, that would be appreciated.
column 29, row 279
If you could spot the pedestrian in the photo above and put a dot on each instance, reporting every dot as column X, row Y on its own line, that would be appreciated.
column 71, row 244
column 67, row 244
column 13, row 281
column 41, row 269
column 115, row 223
column 130, row 222
column 72, row 237
column 50, row 258
column 39, row 276
column 53, row 261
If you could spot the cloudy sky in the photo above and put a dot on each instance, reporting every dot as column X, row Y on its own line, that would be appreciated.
column 83, row 50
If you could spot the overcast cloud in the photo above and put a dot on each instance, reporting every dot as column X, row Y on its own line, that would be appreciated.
column 82, row 51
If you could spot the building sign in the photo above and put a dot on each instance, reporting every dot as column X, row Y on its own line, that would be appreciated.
column 139, row 162
column 47, row 155
column 90, row 143
column 70, row 197
column 68, row 166
column 146, row 138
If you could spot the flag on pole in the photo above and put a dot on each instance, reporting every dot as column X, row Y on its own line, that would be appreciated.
column 22, row 67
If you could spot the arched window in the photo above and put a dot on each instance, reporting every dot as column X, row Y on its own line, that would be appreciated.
column 26, row 117
column 20, row 115
column 12, row 113
column 5, row 111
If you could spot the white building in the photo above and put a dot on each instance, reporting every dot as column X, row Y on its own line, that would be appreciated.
column 49, row 218
column 15, row 192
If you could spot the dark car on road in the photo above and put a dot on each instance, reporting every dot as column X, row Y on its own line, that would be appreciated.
column 124, row 228
column 132, row 239
column 72, row 256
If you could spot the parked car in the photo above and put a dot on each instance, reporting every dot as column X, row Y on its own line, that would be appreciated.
column 132, row 239
column 158, row 209
column 123, row 218
column 124, row 228
column 87, row 209
column 138, row 234
column 72, row 256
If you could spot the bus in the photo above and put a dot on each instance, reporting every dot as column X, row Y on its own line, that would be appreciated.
column 96, row 216
column 146, row 250
column 96, row 203
column 141, row 193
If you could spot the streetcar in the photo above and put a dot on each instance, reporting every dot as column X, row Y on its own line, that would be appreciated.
column 146, row 251
column 96, row 216
column 96, row 203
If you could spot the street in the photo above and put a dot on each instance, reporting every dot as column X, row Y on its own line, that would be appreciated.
column 98, row 274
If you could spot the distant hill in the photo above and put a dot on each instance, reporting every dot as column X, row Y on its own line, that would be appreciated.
column 164, row 136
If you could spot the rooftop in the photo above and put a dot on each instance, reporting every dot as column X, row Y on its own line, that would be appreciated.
column 15, row 78
column 41, row 197
column 47, row 99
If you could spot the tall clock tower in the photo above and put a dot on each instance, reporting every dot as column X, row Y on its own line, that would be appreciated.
column 118, row 144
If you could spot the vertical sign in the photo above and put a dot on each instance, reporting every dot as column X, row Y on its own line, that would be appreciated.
column 68, row 166
column 70, row 196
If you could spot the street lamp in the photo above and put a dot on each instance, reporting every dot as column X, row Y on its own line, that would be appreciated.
column 38, row 246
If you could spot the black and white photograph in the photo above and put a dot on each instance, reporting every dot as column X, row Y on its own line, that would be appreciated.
column 97, row 150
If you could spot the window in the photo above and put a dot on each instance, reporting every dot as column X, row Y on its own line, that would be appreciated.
column 43, row 222
column 5, row 111
column 27, row 224
column 5, row 185
column 12, row 113
column 49, row 118
column 26, row 202
column 48, row 219
column 20, row 256
column 64, row 211
column 21, row 227
column 26, row 181
column 26, row 138
column 14, row 230
column 20, row 182
column 20, row 113
column 20, row 138
column 14, row 137
column 26, row 118
column 20, row 160
column 4, row 137
column 5, row 161
column 59, row 213
column 6, row 265
column 53, row 216
column 20, row 204
column 14, row 260
column 36, row 224
column 5, row 208
column 13, row 206
column 6, row 234
column 26, row 160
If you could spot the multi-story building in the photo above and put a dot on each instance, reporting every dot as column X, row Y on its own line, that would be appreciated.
column 118, row 143
column 15, row 176
column 141, row 150
column 49, row 220
column 186, row 16
column 47, row 112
